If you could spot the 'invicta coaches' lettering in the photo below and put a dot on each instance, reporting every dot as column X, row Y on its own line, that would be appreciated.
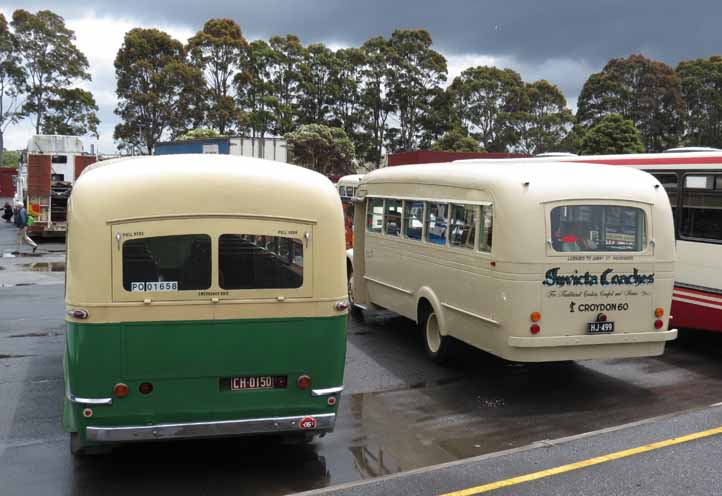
column 606, row 278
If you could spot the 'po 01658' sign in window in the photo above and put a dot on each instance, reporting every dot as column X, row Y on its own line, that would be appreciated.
column 167, row 263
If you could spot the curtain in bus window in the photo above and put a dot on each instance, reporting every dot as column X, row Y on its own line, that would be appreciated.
column 702, row 215
column 249, row 261
column 374, row 214
column 487, row 228
column 463, row 226
column 598, row 228
column 167, row 263
column 437, row 221
column 392, row 217
column 413, row 219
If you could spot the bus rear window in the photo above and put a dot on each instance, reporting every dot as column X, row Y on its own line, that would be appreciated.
column 598, row 228
column 249, row 261
column 167, row 263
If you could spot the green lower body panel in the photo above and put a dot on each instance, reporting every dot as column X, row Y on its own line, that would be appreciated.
column 190, row 365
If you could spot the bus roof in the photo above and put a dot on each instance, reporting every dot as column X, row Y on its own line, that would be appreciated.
column 679, row 159
column 545, row 179
column 351, row 179
column 151, row 186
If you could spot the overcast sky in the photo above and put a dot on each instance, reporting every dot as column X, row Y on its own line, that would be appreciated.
column 562, row 41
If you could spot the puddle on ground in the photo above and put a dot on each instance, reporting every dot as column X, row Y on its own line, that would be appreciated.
column 46, row 267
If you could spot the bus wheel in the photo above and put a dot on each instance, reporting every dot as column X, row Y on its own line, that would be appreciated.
column 437, row 346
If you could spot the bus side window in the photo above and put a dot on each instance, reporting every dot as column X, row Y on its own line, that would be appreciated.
column 436, row 222
column 487, row 228
column 463, row 226
column 701, row 208
column 374, row 214
column 413, row 219
column 392, row 217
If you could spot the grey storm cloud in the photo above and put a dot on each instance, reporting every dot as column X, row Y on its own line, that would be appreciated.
column 529, row 31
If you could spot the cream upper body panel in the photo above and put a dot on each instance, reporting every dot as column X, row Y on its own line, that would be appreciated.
column 207, row 188
column 523, row 190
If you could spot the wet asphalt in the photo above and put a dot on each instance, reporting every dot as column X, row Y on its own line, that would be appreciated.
column 399, row 412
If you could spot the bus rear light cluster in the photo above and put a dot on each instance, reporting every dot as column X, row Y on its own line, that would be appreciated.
column 658, row 324
column 120, row 390
column 534, row 329
column 303, row 382
column 659, row 312
column 535, row 316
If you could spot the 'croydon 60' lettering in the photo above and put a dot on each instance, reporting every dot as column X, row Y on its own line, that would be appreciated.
column 606, row 278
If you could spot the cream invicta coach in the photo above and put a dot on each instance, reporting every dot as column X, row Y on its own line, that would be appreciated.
column 206, row 296
column 536, row 262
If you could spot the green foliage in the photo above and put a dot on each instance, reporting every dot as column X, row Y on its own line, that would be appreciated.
column 10, row 158
column 544, row 120
column 701, row 83
column 572, row 141
column 51, row 63
column 613, row 134
column 327, row 150
column 416, row 72
column 255, row 90
column 488, row 102
column 285, row 78
column 643, row 90
column 218, row 51
column 71, row 112
column 456, row 140
column 199, row 133
column 375, row 100
column 317, row 73
column 12, row 81
column 152, row 79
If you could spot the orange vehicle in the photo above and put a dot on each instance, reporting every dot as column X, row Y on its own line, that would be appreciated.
column 346, row 187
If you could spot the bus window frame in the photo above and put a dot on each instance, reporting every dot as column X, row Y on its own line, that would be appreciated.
column 646, row 208
column 199, row 225
column 682, row 191
column 425, row 200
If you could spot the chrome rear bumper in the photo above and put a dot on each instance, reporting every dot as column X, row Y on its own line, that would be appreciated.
column 223, row 428
column 584, row 340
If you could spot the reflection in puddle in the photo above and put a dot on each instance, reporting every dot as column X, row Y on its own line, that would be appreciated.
column 46, row 267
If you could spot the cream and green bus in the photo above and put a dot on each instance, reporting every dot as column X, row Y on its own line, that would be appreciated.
column 205, row 296
column 530, row 262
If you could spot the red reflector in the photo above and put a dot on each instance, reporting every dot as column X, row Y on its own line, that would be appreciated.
column 303, row 382
column 120, row 390
column 534, row 329
column 146, row 388
column 331, row 400
column 658, row 324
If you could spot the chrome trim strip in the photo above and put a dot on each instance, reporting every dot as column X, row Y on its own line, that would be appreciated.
column 327, row 391
column 470, row 314
column 324, row 422
column 388, row 285
column 88, row 401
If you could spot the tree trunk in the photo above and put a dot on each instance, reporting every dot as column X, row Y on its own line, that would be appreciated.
column 2, row 146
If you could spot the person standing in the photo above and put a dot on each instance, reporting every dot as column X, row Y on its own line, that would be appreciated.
column 21, row 222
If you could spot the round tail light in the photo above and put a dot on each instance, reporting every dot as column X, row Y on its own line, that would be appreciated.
column 534, row 329
column 658, row 324
column 145, row 388
column 601, row 317
column 303, row 382
column 331, row 400
column 120, row 390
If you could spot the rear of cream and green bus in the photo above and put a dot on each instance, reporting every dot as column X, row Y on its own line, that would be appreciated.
column 600, row 286
column 196, row 326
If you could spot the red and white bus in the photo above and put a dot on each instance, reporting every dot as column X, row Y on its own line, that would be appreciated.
column 693, row 180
